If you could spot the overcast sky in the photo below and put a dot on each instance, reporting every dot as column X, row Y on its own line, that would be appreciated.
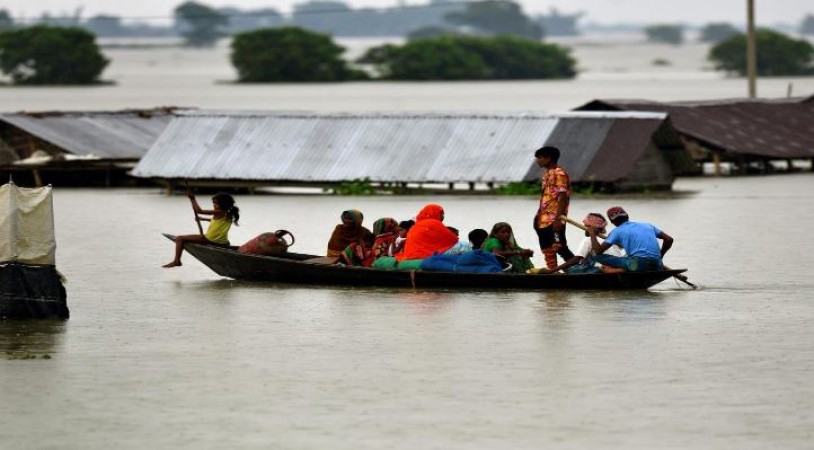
column 602, row 11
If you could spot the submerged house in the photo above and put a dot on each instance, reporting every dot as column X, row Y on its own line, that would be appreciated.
column 77, row 148
column 617, row 151
column 747, row 133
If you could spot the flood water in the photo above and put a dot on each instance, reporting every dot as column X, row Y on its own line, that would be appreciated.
column 185, row 359
column 182, row 358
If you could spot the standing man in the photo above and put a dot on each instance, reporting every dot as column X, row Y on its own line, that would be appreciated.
column 639, row 239
column 554, row 200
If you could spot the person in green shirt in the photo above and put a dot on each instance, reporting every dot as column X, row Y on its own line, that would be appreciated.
column 502, row 244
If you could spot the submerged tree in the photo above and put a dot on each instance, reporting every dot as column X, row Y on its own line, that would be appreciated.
column 777, row 55
column 665, row 34
column 200, row 25
column 51, row 55
column 717, row 32
column 497, row 17
column 289, row 55
column 471, row 58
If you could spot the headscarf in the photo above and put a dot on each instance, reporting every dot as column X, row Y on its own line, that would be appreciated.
column 344, row 235
column 512, row 245
column 428, row 236
column 353, row 214
column 385, row 225
column 431, row 211
column 592, row 221
column 615, row 212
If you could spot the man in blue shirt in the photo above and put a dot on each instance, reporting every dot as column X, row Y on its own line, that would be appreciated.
column 639, row 239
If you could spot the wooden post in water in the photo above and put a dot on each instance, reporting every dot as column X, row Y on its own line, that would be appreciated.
column 716, row 161
column 751, row 48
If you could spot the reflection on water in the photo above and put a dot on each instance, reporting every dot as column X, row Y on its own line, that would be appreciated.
column 34, row 336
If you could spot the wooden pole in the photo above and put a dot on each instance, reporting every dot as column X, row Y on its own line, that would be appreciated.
column 751, row 48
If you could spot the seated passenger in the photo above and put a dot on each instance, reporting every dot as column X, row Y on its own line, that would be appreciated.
column 358, row 254
column 640, row 240
column 348, row 232
column 428, row 236
column 501, row 242
column 398, row 244
column 477, row 238
column 584, row 259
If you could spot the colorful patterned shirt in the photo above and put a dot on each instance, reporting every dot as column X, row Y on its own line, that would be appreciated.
column 556, row 188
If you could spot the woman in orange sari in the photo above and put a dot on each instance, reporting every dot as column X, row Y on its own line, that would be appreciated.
column 428, row 236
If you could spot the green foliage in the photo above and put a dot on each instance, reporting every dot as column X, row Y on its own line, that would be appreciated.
column 497, row 17
column 359, row 186
column 518, row 188
column 472, row 58
column 807, row 26
column 777, row 55
column 200, row 25
column 48, row 55
column 717, row 32
column 289, row 55
column 430, row 32
column 666, row 34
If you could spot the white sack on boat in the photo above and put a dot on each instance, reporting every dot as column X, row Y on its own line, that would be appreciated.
column 27, row 225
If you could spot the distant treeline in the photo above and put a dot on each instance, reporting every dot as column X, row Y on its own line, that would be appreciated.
column 325, row 16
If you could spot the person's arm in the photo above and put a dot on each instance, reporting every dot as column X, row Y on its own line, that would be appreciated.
column 596, row 247
column 667, row 242
column 197, row 208
column 562, row 203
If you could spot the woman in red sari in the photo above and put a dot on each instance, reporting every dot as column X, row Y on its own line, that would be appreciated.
column 428, row 236
column 348, row 232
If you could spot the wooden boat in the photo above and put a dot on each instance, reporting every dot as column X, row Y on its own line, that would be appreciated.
column 295, row 268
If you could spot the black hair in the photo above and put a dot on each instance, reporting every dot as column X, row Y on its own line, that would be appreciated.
column 454, row 230
column 227, row 203
column 406, row 224
column 477, row 237
column 550, row 151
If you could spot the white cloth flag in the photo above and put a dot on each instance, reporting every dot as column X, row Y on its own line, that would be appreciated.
column 27, row 225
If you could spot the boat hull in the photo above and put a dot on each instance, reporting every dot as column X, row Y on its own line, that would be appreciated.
column 293, row 268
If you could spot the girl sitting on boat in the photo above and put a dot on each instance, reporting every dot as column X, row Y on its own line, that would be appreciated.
column 348, row 232
column 501, row 242
column 224, row 212
column 358, row 254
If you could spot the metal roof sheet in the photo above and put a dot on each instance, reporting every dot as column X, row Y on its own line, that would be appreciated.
column 773, row 128
column 405, row 147
column 108, row 135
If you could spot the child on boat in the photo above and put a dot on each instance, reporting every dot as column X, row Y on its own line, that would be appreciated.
column 477, row 237
column 398, row 244
column 224, row 212
column 501, row 242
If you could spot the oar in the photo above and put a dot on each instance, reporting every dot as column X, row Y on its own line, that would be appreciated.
column 678, row 276
column 197, row 219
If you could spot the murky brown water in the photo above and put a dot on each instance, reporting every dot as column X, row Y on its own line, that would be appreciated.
column 184, row 359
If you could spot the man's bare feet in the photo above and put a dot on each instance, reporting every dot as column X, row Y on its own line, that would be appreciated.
column 172, row 264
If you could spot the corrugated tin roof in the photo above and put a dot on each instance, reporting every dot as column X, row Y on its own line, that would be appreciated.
column 108, row 135
column 407, row 147
column 775, row 128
